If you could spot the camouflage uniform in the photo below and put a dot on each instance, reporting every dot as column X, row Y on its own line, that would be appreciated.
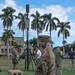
column 45, row 66
column 58, row 60
column 14, row 58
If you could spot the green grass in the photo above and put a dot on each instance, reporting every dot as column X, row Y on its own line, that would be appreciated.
column 6, row 65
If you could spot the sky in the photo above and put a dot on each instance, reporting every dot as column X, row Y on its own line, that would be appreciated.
column 64, row 10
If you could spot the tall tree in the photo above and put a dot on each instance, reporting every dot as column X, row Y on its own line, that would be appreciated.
column 22, row 23
column 50, row 23
column 64, row 30
column 7, row 17
column 22, row 26
column 7, row 34
column 37, row 23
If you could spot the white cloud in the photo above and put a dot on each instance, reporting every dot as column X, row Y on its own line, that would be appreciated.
column 10, row 2
column 57, row 11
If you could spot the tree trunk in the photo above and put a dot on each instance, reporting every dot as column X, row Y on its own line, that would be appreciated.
column 8, row 48
column 23, row 38
column 63, row 45
column 37, row 36
column 7, row 42
column 50, row 37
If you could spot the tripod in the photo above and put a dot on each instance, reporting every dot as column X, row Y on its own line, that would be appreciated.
column 30, row 60
column 24, row 56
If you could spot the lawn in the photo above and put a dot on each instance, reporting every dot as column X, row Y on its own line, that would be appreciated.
column 6, row 65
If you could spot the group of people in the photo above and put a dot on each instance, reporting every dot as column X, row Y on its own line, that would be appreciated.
column 47, row 61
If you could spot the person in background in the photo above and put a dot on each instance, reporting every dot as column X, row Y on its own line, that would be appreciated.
column 74, row 57
column 38, row 53
column 74, row 54
column 58, row 60
column 71, row 58
column 46, row 63
column 14, row 57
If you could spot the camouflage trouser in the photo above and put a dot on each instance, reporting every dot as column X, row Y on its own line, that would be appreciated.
column 59, row 69
column 71, row 63
column 15, row 64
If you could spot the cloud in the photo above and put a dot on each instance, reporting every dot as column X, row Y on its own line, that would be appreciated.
column 57, row 11
column 10, row 2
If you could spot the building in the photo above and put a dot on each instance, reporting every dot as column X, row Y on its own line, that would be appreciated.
column 3, row 45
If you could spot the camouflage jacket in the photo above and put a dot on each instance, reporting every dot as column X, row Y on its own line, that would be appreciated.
column 58, row 58
column 14, row 56
column 45, row 67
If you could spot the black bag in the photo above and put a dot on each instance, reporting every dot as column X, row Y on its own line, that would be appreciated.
column 23, row 55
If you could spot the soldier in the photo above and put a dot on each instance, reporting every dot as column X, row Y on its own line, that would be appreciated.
column 58, row 59
column 14, row 57
column 71, row 57
column 46, row 63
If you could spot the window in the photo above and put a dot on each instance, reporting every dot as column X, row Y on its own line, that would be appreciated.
column 5, row 50
column 2, row 51
column 12, row 42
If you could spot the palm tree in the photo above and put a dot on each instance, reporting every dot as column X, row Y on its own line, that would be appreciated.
column 36, row 23
column 64, row 30
column 7, row 34
column 49, row 22
column 7, row 17
column 22, row 23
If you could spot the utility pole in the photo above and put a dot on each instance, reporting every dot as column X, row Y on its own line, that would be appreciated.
column 27, row 27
